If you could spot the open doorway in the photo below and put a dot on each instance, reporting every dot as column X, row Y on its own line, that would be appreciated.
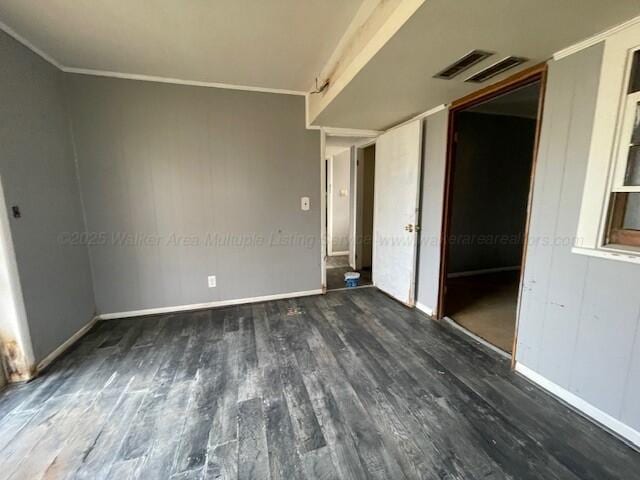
column 491, row 159
column 349, row 193
column 361, row 248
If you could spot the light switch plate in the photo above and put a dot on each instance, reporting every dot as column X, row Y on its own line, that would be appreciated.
column 304, row 203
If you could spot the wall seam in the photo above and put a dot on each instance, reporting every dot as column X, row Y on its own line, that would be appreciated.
column 555, row 230
column 81, row 195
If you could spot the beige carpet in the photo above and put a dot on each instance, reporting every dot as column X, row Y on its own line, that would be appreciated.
column 486, row 305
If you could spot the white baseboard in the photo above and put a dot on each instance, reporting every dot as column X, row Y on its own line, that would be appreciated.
column 201, row 306
column 339, row 254
column 604, row 419
column 46, row 361
column 484, row 271
column 424, row 309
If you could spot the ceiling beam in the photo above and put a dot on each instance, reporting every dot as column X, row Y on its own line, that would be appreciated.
column 372, row 27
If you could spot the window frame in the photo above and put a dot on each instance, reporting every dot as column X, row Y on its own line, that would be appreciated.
column 616, row 233
column 608, row 154
column 630, row 111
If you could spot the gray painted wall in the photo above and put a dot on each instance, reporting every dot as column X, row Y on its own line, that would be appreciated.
column 178, row 165
column 580, row 318
column 492, row 173
column 432, row 197
column 340, row 205
column 38, row 174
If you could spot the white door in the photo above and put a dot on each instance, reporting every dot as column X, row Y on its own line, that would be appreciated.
column 396, row 211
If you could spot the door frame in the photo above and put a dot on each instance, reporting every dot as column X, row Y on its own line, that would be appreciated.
column 325, row 132
column 521, row 79
column 329, row 195
column 355, row 237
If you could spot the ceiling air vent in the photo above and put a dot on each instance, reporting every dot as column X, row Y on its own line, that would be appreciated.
column 466, row 62
column 496, row 69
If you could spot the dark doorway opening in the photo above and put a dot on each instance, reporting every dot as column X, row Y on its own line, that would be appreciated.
column 490, row 171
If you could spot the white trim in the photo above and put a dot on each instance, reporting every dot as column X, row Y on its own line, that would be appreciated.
column 455, row 325
column 485, row 271
column 624, row 135
column 201, row 306
column 420, row 116
column 46, row 361
column 602, row 161
column 328, row 189
column 350, row 288
column 350, row 132
column 608, row 253
column 323, row 211
column 19, row 38
column 599, row 37
column 178, row 81
column 339, row 254
column 368, row 143
column 583, row 406
column 13, row 313
column 424, row 309
column 354, row 171
column 148, row 78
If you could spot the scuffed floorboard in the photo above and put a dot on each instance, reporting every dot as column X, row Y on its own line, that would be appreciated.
column 348, row 385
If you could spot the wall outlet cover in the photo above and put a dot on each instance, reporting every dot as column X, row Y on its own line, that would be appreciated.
column 211, row 281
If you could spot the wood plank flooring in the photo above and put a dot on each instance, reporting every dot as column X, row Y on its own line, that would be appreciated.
column 348, row 385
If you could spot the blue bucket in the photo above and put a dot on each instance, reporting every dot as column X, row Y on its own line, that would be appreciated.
column 351, row 279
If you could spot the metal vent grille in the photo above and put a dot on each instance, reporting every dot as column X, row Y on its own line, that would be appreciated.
column 496, row 69
column 466, row 62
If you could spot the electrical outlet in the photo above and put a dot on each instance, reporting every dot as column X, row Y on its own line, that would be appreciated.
column 212, row 281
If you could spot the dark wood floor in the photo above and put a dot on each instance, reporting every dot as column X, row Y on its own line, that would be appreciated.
column 347, row 385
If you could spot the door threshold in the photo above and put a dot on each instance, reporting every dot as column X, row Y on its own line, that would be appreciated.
column 452, row 323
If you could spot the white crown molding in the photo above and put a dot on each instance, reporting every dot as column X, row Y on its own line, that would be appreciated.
column 428, row 113
column 133, row 76
column 350, row 132
column 589, row 42
column 178, row 81
column 19, row 38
